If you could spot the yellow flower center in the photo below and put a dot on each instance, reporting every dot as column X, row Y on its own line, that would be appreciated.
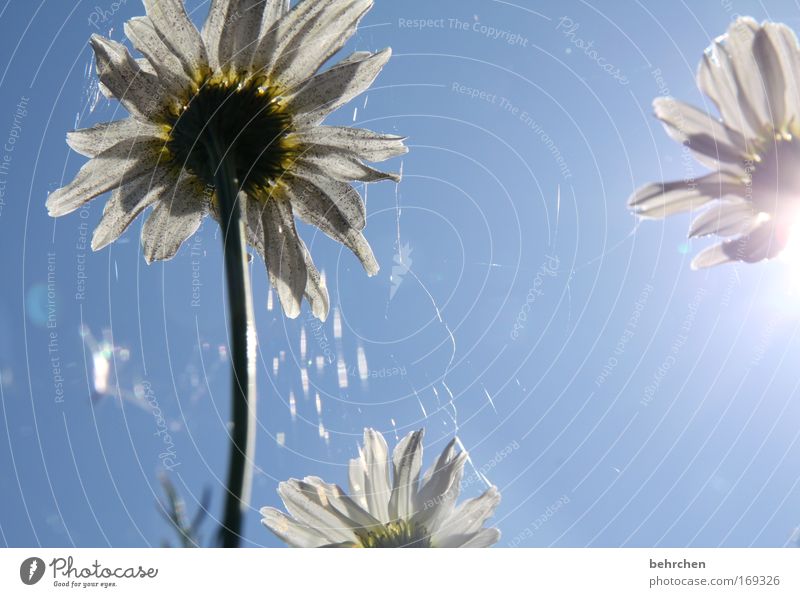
column 399, row 533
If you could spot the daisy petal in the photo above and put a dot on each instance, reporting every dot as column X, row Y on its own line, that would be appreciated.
column 340, row 194
column 230, row 32
column 738, row 46
column 316, row 293
column 314, row 206
column 764, row 242
column 127, row 202
column 285, row 260
column 123, row 162
column 304, row 503
column 407, row 460
column 377, row 491
column 483, row 538
column 179, row 33
column 705, row 136
column 725, row 219
column 176, row 218
column 771, row 69
column 343, row 167
column 166, row 65
column 785, row 42
column 436, row 499
column 659, row 200
column 140, row 92
column 290, row 531
column 327, row 91
column 469, row 517
column 313, row 37
column 355, row 476
column 273, row 10
column 97, row 139
column 367, row 145
column 342, row 503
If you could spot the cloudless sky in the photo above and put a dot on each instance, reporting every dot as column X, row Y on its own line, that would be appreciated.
column 613, row 395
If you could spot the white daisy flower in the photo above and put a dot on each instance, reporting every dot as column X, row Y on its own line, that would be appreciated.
column 751, row 196
column 405, row 511
column 246, row 88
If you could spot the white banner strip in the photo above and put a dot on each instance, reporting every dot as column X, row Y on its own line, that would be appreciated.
column 386, row 573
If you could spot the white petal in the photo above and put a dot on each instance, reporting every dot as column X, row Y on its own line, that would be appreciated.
column 343, row 196
column 341, row 166
column 166, row 65
column 725, row 219
column 354, row 514
column 230, row 32
column 468, row 518
column 315, row 207
column 179, row 33
column 127, row 202
column 764, row 242
column 316, row 292
column 377, row 491
column 785, row 42
column 771, row 69
column 290, row 531
column 305, row 503
column 273, row 10
column 121, row 163
column 140, row 92
column 308, row 40
column 355, row 475
column 659, row 200
column 407, row 460
column 176, row 217
column 97, row 139
column 436, row 498
column 247, row 27
column 367, row 145
column 484, row 538
column 738, row 45
column 710, row 257
column 284, row 255
column 705, row 136
column 325, row 92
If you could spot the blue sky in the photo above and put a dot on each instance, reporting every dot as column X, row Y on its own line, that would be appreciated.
column 613, row 395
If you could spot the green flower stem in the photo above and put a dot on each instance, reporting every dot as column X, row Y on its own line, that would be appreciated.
column 243, row 347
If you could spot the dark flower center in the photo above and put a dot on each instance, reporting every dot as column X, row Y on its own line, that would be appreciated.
column 244, row 123
column 395, row 534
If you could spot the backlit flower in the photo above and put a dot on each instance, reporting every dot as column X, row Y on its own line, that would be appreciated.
column 246, row 87
column 752, row 194
column 388, row 505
